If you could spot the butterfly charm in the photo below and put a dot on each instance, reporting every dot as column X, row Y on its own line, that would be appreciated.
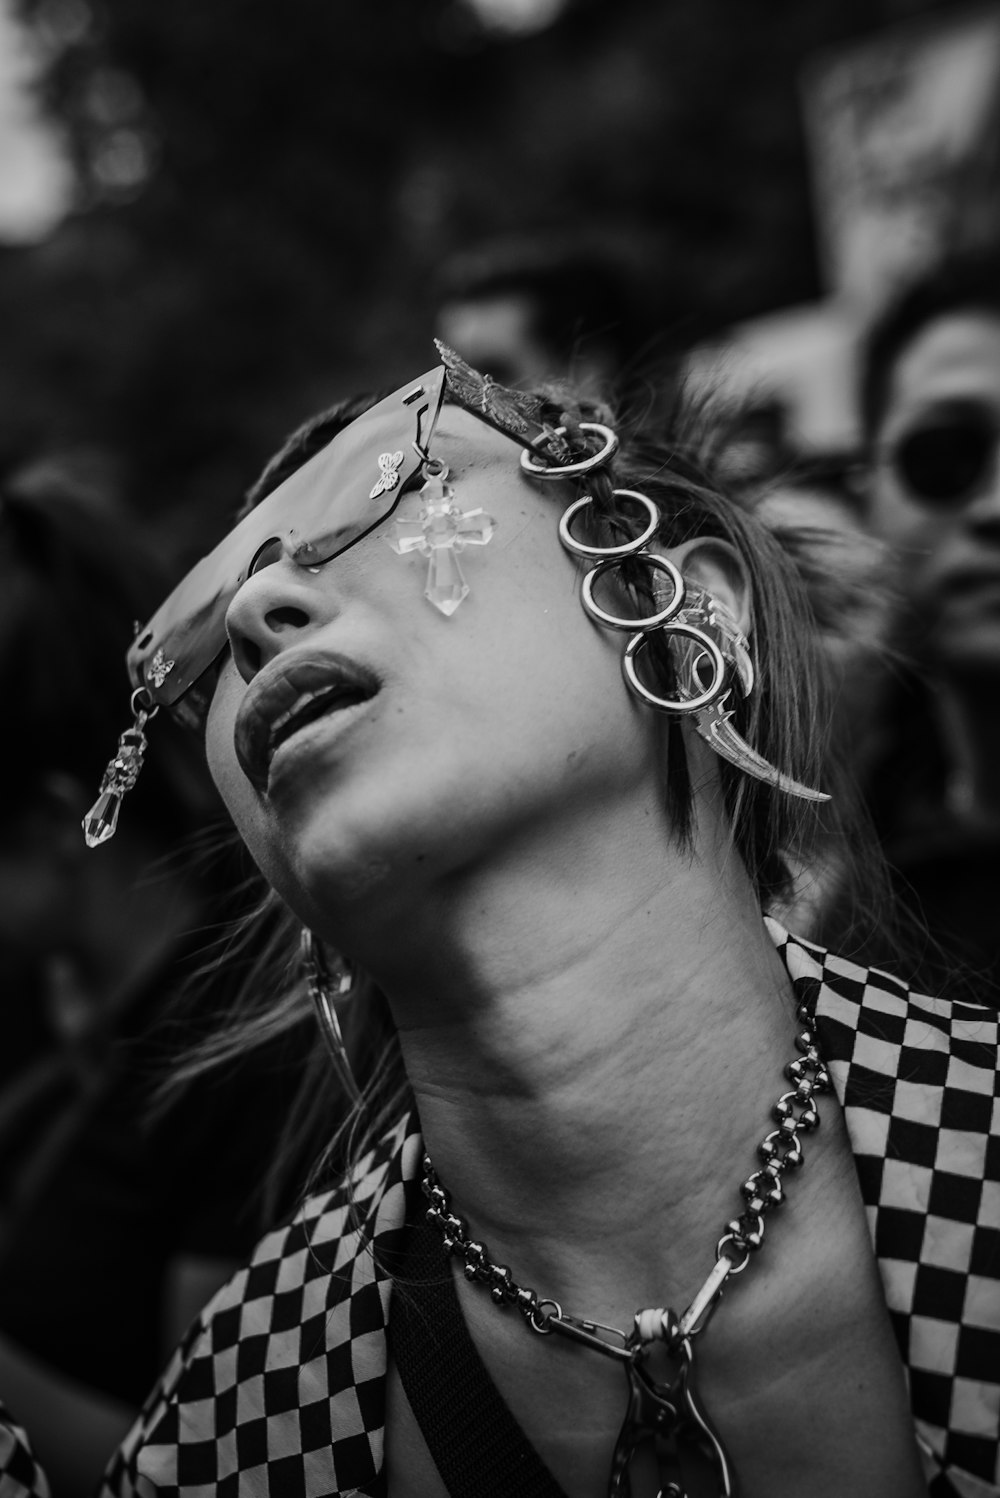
column 159, row 669
column 389, row 475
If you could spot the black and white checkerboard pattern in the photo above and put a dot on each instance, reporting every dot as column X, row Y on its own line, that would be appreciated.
column 20, row 1474
column 919, row 1080
column 280, row 1385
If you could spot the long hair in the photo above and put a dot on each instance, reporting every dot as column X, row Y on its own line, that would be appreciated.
column 785, row 719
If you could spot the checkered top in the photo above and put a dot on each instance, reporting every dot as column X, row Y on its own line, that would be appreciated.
column 20, row 1474
column 919, row 1082
column 279, row 1387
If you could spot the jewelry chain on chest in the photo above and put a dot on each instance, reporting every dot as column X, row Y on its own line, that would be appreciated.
column 668, row 1412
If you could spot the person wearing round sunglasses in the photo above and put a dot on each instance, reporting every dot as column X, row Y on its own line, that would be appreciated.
column 931, row 399
column 524, row 723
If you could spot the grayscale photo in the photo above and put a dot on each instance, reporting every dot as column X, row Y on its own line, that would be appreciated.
column 500, row 680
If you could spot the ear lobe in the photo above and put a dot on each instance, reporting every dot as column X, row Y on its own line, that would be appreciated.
column 715, row 565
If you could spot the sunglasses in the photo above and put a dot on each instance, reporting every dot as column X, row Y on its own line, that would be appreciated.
column 327, row 506
column 947, row 458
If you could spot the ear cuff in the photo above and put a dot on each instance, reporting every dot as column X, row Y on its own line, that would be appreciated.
column 712, row 656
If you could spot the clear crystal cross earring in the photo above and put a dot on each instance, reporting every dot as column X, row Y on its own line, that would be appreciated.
column 439, row 533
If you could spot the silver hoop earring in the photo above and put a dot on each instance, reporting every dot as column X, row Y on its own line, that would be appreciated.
column 616, row 621
column 322, row 984
column 604, row 454
column 691, row 700
column 627, row 548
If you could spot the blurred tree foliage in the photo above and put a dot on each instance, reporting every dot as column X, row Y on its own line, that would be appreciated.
column 266, row 194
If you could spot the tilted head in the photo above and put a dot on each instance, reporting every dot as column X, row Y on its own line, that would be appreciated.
column 305, row 631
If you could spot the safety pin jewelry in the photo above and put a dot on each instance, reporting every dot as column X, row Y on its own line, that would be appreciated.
column 388, row 478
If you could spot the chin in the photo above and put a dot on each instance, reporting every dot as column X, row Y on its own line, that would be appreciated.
column 342, row 866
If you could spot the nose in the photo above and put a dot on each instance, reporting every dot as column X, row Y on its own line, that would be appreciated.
column 272, row 610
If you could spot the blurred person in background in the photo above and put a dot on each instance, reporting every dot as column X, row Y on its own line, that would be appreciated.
column 931, row 405
column 753, row 445
column 532, row 309
column 116, row 1225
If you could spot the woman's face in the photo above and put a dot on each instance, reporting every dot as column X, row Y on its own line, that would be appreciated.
column 440, row 741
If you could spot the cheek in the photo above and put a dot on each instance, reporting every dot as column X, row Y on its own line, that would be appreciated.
column 231, row 783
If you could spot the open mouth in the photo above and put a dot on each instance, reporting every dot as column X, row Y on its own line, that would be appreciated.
column 287, row 696
column 313, row 706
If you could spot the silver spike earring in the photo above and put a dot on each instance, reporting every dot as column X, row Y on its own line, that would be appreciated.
column 323, row 984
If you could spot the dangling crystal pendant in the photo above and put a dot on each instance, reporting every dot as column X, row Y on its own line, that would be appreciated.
column 121, row 774
column 101, row 821
column 446, row 586
column 439, row 533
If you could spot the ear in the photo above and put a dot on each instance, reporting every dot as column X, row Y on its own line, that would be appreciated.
column 716, row 566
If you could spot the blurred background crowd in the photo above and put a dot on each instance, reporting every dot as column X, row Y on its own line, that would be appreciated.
column 217, row 218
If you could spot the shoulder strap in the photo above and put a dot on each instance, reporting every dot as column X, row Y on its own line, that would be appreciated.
column 477, row 1445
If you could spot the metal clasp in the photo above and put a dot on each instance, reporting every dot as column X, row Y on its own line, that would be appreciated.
column 699, row 1312
column 578, row 1330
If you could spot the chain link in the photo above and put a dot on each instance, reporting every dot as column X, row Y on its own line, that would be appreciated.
column 795, row 1114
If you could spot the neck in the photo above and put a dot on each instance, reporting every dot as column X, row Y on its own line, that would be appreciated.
column 595, row 1050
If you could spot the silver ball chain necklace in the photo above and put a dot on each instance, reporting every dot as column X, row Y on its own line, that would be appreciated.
column 667, row 1412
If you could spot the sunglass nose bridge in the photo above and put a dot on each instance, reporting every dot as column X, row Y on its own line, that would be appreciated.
column 303, row 553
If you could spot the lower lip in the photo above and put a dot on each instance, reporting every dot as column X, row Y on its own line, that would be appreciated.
column 308, row 741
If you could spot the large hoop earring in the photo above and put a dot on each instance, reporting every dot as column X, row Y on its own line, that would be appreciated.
column 618, row 621
column 584, row 465
column 693, row 700
column 627, row 548
column 321, row 985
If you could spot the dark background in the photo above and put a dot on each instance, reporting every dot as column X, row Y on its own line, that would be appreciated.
column 266, row 194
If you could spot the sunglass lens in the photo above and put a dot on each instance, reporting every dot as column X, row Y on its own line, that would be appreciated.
column 945, row 462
